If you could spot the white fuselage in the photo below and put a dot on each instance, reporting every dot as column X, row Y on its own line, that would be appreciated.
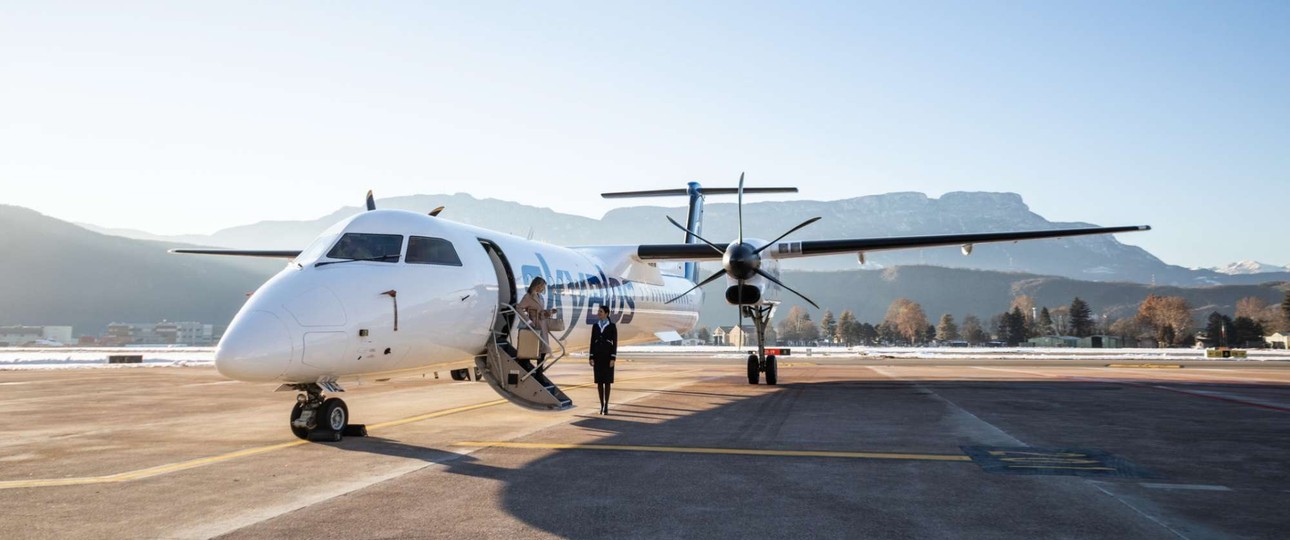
column 336, row 321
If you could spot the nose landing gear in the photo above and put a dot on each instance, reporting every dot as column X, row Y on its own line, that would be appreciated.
column 320, row 419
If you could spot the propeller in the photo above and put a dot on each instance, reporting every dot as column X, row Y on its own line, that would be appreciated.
column 371, row 201
column 741, row 260
column 692, row 233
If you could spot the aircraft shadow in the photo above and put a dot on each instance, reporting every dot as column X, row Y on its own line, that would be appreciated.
column 634, row 494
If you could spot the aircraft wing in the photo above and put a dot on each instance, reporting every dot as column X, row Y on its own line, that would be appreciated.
column 811, row 248
column 269, row 254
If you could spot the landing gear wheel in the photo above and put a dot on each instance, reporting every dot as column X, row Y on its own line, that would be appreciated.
column 299, row 432
column 333, row 416
column 754, row 371
column 772, row 370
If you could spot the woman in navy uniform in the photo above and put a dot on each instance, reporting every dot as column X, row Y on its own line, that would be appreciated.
column 604, row 349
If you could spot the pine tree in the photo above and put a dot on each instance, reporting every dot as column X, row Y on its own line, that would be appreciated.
column 866, row 334
column 947, row 330
column 810, row 332
column 1081, row 318
column 1015, row 324
column 1247, row 331
column 1046, row 322
column 1218, row 330
column 828, row 326
column 845, row 333
column 1285, row 313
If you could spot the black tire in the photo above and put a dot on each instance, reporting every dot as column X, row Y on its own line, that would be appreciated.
column 754, row 371
column 299, row 432
column 772, row 370
column 333, row 416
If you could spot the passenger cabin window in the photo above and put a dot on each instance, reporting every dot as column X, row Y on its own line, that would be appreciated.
column 368, row 247
column 425, row 250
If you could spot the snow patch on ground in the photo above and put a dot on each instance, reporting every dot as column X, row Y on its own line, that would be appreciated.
column 960, row 353
column 81, row 358
column 76, row 358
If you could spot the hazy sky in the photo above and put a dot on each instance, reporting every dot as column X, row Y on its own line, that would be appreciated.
column 183, row 118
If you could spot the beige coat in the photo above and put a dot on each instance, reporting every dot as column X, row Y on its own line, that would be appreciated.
column 532, row 307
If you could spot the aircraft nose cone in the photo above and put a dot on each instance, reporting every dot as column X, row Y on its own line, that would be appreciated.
column 257, row 347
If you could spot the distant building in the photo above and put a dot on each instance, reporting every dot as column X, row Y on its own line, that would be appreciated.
column 1090, row 342
column 735, row 336
column 162, row 333
column 1279, row 340
column 1101, row 342
column 1054, row 341
column 18, row 336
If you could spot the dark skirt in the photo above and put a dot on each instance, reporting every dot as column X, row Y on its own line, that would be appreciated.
column 604, row 372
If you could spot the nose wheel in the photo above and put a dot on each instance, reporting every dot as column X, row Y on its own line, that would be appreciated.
column 315, row 418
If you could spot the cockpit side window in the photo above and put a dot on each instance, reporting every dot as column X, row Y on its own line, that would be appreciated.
column 426, row 250
column 368, row 247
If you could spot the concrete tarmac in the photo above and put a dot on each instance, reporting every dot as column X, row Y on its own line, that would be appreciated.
column 840, row 448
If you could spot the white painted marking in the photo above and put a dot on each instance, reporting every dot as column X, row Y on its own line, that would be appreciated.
column 1194, row 487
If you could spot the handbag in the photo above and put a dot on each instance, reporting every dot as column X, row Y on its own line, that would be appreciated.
column 555, row 325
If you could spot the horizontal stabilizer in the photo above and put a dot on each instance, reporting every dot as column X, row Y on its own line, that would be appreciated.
column 268, row 254
column 683, row 192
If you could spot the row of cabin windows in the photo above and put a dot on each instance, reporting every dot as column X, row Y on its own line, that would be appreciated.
column 387, row 247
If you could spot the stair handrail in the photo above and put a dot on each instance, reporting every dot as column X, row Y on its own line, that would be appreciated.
column 545, row 363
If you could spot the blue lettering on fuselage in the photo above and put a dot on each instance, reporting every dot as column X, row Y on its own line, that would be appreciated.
column 587, row 293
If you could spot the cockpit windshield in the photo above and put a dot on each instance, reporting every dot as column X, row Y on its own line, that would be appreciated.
column 316, row 248
column 368, row 247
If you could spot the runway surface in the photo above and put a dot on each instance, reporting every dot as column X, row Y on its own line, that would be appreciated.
column 840, row 448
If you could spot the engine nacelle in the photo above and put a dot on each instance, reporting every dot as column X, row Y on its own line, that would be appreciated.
column 751, row 294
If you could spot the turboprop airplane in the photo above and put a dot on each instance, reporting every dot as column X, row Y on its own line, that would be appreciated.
column 389, row 292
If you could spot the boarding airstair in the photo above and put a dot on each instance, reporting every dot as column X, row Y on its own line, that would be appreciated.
column 519, row 380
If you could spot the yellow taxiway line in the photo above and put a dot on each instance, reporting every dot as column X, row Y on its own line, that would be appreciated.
column 145, row 473
column 202, row 462
column 723, row 451
column 1146, row 366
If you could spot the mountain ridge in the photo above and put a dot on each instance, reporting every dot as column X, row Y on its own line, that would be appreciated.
column 1094, row 258
column 61, row 273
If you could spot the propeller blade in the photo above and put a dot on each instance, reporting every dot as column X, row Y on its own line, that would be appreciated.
column 682, row 227
column 435, row 212
column 371, row 202
column 772, row 279
column 710, row 279
column 790, row 231
column 741, row 215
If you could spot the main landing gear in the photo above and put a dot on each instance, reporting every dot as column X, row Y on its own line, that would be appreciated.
column 761, row 363
column 315, row 418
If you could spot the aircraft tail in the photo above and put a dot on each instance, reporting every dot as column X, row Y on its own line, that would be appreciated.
column 694, row 220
